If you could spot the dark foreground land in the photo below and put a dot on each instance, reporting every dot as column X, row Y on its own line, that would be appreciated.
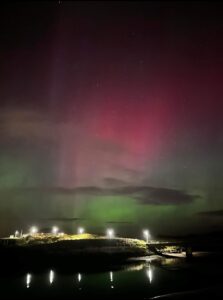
column 91, row 251
column 94, row 267
column 85, row 249
column 79, row 250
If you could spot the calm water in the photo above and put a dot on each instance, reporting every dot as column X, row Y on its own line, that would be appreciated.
column 139, row 281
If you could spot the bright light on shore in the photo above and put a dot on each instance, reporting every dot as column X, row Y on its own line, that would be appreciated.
column 33, row 230
column 146, row 235
column 110, row 233
column 16, row 233
column 80, row 230
column 55, row 230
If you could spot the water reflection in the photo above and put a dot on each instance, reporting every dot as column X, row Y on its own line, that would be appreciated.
column 111, row 279
column 51, row 276
column 134, row 267
column 28, row 280
column 79, row 277
column 149, row 273
column 111, row 276
column 145, row 268
column 123, row 282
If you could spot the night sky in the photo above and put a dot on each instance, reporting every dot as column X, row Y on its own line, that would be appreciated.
column 111, row 115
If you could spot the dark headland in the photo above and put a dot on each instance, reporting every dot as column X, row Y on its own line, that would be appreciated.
column 79, row 250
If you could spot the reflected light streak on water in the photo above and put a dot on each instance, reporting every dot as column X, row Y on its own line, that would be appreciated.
column 111, row 276
column 79, row 277
column 149, row 273
column 111, row 279
column 28, row 280
column 51, row 276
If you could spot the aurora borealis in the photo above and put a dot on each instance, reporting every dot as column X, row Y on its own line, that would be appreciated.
column 111, row 113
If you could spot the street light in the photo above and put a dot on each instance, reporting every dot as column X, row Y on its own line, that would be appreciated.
column 80, row 230
column 16, row 233
column 55, row 230
column 33, row 230
column 146, row 235
column 110, row 233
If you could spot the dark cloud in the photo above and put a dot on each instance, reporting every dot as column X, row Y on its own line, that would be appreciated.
column 112, row 182
column 160, row 196
column 128, row 171
column 119, row 222
column 107, row 146
column 87, row 190
column 213, row 213
column 60, row 219
column 26, row 124
column 142, row 194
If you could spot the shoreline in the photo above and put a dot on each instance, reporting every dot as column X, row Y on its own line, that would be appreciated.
column 77, row 250
column 86, row 252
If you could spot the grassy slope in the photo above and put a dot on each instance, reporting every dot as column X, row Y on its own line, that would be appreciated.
column 83, row 244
